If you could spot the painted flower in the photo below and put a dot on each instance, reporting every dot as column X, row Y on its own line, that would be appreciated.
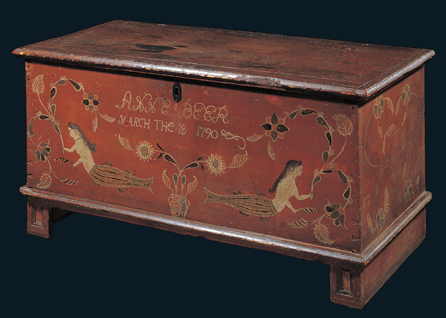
column 42, row 152
column 215, row 164
column 145, row 150
column 333, row 210
column 378, row 106
column 405, row 95
column 90, row 101
column 275, row 127
column 408, row 189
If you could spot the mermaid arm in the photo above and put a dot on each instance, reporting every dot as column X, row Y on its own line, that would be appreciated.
column 290, row 206
column 77, row 162
column 72, row 148
column 303, row 196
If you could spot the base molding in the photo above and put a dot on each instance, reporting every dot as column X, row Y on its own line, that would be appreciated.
column 354, row 277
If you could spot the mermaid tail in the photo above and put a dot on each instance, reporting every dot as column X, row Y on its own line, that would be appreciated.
column 109, row 176
column 246, row 204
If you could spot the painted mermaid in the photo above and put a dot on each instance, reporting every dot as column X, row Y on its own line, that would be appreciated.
column 105, row 174
column 259, row 205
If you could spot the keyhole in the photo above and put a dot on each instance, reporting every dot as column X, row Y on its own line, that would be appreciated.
column 176, row 92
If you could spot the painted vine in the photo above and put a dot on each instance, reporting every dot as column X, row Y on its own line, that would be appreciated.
column 381, row 105
column 42, row 150
column 276, row 128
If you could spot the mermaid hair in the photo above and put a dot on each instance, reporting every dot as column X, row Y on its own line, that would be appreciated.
column 289, row 166
column 91, row 147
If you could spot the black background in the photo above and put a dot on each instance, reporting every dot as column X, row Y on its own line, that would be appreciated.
column 96, row 266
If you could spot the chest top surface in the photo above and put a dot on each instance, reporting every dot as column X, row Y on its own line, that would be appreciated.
column 266, row 60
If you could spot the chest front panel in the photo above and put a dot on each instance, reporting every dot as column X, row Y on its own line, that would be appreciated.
column 275, row 164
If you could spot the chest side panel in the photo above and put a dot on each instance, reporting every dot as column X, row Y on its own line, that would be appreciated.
column 392, row 154
column 273, row 164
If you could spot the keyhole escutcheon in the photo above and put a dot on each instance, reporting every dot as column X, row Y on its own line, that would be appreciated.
column 176, row 92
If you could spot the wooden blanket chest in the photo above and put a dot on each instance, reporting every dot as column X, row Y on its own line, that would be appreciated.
column 307, row 147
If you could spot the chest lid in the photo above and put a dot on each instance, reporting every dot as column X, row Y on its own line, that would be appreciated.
column 256, row 59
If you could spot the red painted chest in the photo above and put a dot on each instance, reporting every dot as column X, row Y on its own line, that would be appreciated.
column 306, row 147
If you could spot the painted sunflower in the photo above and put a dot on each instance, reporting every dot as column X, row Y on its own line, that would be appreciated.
column 145, row 150
column 215, row 164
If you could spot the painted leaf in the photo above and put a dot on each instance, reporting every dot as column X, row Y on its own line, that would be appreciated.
column 159, row 146
column 169, row 158
column 125, row 143
column 166, row 180
column 390, row 130
column 45, row 181
column 340, row 221
column 322, row 234
column 293, row 114
column 404, row 117
column 342, row 176
column 271, row 151
column 44, row 117
column 107, row 118
column 300, row 224
column 334, row 215
column 62, row 160
column 95, row 122
column 380, row 132
column 76, row 86
column 239, row 160
column 53, row 109
column 307, row 111
column 37, row 85
column 254, row 138
column 53, row 92
column 389, row 133
column 191, row 166
column 175, row 179
column 60, row 82
column 69, row 181
column 329, row 137
column 316, row 180
column 38, row 154
column 331, row 207
column 321, row 121
column 183, row 180
column 308, row 210
column 389, row 104
column 192, row 186
column 347, row 193
column 56, row 128
column 30, row 127
column 325, row 156
column 344, row 125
